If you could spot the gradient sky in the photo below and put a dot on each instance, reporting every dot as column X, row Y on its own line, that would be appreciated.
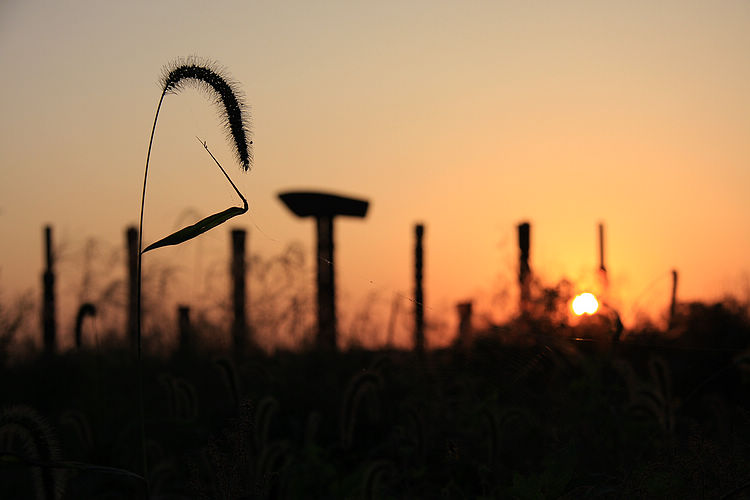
column 467, row 116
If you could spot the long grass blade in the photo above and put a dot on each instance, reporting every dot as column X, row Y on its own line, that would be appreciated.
column 200, row 227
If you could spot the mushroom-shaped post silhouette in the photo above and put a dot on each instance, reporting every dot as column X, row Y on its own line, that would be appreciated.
column 324, row 207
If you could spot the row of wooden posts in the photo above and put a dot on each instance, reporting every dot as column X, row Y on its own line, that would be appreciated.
column 326, row 312
column 240, row 330
column 239, row 294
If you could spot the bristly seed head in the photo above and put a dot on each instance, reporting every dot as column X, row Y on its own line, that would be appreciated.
column 208, row 77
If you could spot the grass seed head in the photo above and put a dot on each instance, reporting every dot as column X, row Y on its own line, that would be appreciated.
column 23, row 429
column 208, row 77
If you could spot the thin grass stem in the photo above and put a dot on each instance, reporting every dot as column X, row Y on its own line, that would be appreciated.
column 141, row 408
column 244, row 201
column 176, row 75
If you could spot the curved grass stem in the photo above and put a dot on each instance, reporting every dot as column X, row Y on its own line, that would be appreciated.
column 178, row 74
column 139, row 267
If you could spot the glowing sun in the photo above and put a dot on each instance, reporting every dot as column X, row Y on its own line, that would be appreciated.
column 585, row 303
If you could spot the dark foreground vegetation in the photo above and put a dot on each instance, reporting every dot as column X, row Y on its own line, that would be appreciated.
column 525, row 411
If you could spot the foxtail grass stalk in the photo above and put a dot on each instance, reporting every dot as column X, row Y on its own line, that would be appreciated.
column 209, row 79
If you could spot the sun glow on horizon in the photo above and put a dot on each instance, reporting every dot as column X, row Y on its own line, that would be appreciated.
column 585, row 303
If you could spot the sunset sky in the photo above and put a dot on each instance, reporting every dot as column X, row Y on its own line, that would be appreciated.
column 467, row 116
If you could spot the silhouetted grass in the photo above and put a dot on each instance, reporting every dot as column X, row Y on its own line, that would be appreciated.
column 509, row 416
column 177, row 76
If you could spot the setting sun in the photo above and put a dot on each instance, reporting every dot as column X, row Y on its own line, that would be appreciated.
column 585, row 303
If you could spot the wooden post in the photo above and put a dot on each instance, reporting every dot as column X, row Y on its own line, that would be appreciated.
column 183, row 325
column 602, row 269
column 673, row 304
column 464, row 324
column 239, row 288
column 131, row 247
column 326, row 285
column 324, row 207
column 601, row 248
column 49, row 325
column 419, row 341
column 524, row 269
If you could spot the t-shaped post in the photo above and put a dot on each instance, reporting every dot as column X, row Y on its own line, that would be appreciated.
column 324, row 207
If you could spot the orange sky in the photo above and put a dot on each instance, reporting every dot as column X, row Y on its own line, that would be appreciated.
column 468, row 116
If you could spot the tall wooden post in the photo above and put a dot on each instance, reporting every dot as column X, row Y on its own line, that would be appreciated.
column 524, row 269
column 673, row 303
column 326, row 285
column 324, row 207
column 602, row 269
column 131, row 247
column 601, row 248
column 239, row 288
column 49, row 325
column 183, row 325
column 419, row 341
